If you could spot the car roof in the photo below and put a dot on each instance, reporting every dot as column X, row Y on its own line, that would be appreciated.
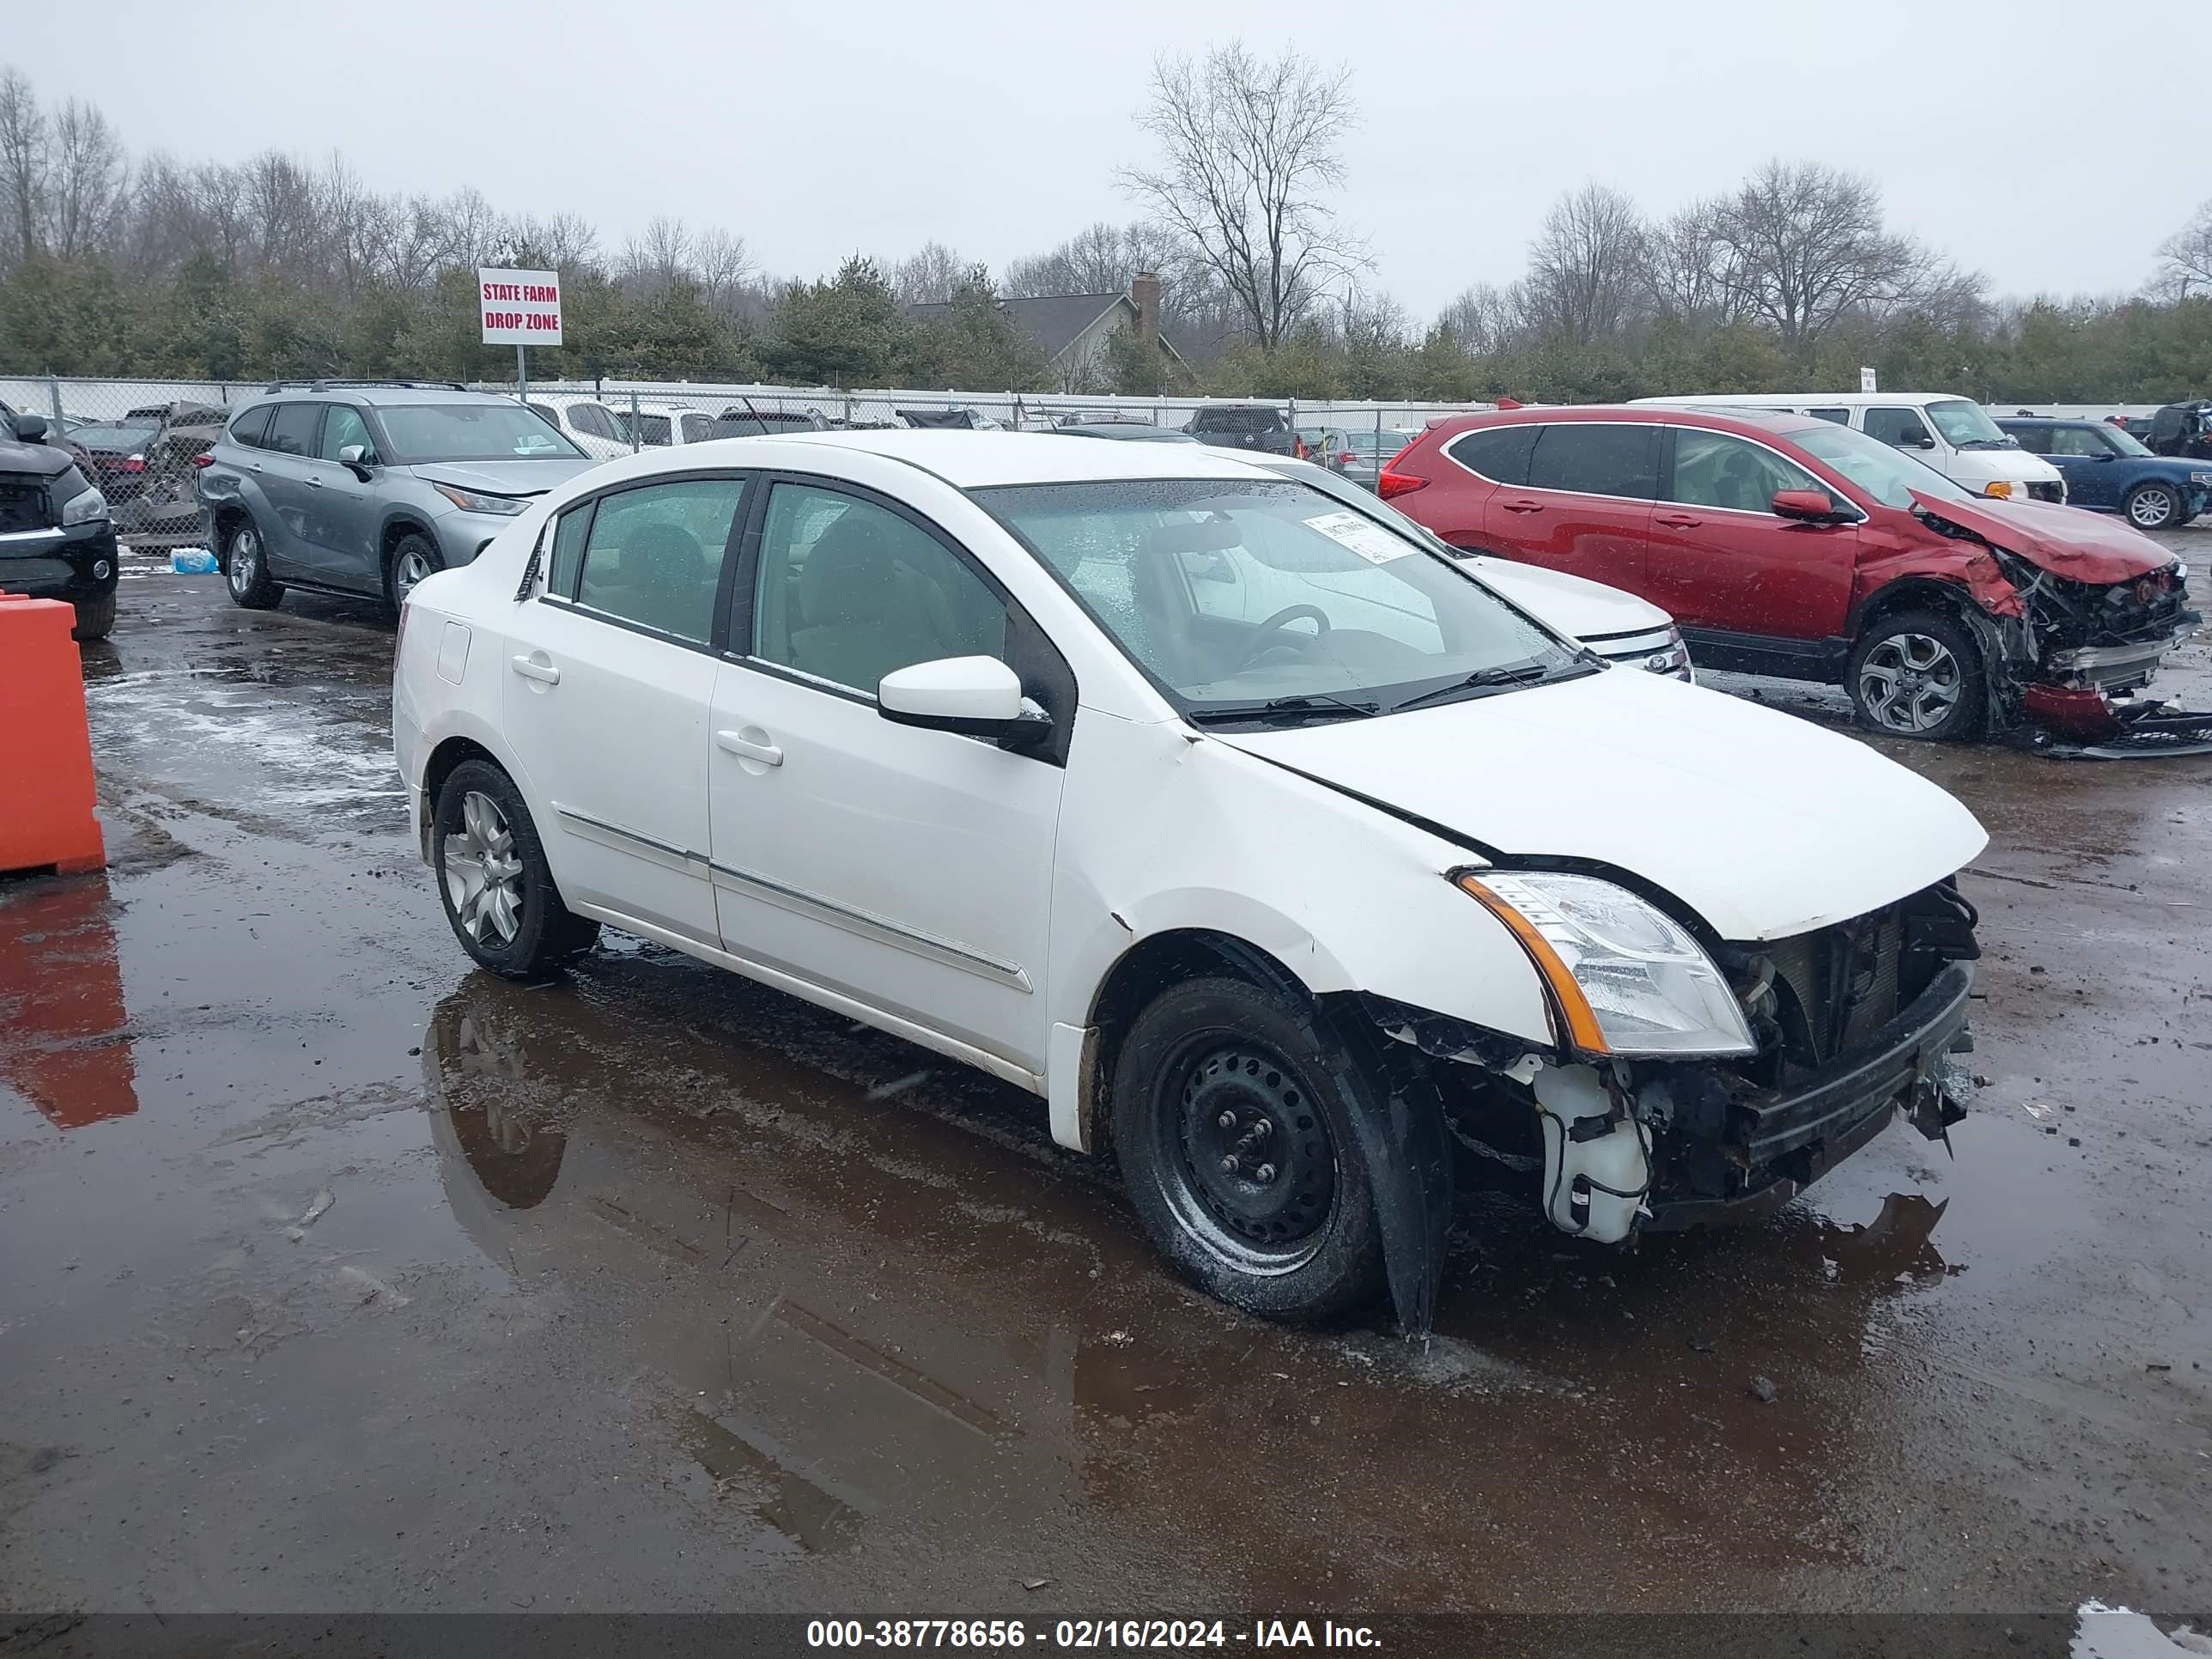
column 383, row 397
column 977, row 460
column 1810, row 399
column 1744, row 422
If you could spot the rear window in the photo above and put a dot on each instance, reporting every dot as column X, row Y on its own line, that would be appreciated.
column 1238, row 420
column 105, row 436
column 248, row 428
column 1592, row 458
column 1498, row 452
column 292, row 429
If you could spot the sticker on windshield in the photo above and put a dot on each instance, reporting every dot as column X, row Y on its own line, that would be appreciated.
column 1362, row 536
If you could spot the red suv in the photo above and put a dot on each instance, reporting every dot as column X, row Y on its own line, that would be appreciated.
column 1791, row 546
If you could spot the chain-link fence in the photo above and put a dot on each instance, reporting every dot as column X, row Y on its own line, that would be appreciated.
column 137, row 439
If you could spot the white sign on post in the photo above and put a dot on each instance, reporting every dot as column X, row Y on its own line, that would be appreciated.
column 520, row 307
column 1866, row 381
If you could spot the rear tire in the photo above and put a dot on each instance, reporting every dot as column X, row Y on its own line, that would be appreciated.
column 246, row 569
column 2152, row 506
column 1234, row 1122
column 1918, row 674
column 95, row 618
column 493, row 877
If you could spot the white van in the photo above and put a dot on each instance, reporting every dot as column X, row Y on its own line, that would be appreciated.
column 1953, row 434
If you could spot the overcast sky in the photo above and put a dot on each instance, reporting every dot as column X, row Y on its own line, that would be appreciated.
column 2051, row 145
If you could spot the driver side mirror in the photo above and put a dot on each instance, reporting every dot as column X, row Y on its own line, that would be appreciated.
column 1924, row 441
column 30, row 429
column 973, row 697
column 1805, row 506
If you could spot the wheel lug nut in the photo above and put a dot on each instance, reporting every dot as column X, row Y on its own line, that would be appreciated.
column 1228, row 1165
column 1263, row 1129
column 1226, row 1121
column 1264, row 1174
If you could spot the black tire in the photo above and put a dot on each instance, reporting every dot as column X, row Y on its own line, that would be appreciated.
column 523, row 930
column 1896, row 651
column 245, row 567
column 2152, row 506
column 413, row 552
column 1204, row 1066
column 95, row 618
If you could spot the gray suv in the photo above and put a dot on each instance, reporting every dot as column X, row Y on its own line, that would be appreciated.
column 366, row 487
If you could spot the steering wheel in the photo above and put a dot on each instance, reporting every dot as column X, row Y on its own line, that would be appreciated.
column 1264, row 639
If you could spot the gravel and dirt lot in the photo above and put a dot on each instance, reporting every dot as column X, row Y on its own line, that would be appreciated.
column 339, row 1276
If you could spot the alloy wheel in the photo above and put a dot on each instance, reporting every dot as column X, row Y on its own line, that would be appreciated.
column 2150, row 508
column 412, row 568
column 244, row 561
column 483, row 872
column 1910, row 683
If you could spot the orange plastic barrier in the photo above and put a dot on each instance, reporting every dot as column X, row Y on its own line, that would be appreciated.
column 46, row 748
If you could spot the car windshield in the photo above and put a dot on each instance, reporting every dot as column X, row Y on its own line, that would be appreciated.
column 2125, row 441
column 1267, row 601
column 107, row 435
column 472, row 432
column 1888, row 474
column 1967, row 426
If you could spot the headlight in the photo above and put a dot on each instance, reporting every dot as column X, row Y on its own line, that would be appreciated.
column 1626, row 979
column 468, row 501
column 2201, row 478
column 85, row 508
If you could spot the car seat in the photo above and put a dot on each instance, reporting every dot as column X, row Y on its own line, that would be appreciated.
column 863, row 611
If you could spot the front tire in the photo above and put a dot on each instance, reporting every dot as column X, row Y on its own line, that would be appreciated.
column 95, row 618
column 1233, row 1119
column 2152, row 506
column 246, row 569
column 1918, row 674
column 414, row 557
column 497, row 888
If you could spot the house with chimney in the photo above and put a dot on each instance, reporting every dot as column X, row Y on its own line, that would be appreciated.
column 1073, row 328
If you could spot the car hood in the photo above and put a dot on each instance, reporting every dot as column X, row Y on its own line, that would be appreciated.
column 504, row 477
column 1764, row 824
column 41, row 460
column 1575, row 605
column 2084, row 547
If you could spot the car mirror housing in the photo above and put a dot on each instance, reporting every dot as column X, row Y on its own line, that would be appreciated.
column 31, row 428
column 973, row 697
column 357, row 458
column 1805, row 506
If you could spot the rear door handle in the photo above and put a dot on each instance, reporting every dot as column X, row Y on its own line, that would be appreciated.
column 1523, row 506
column 536, row 668
column 1676, row 521
column 314, row 483
column 766, row 753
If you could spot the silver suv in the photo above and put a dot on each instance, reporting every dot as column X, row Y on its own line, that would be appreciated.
column 366, row 487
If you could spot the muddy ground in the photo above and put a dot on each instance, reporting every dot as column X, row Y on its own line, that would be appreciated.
column 340, row 1276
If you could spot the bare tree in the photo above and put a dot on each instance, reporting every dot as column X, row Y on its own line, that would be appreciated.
column 88, row 183
column 1689, row 270
column 930, row 275
column 1248, row 159
column 1807, row 247
column 720, row 264
column 659, row 258
column 1485, row 319
column 1102, row 259
column 1585, row 266
column 23, row 152
column 2185, row 257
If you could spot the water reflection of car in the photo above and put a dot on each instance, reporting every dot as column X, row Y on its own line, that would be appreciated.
column 2107, row 471
column 1334, row 840
column 56, row 539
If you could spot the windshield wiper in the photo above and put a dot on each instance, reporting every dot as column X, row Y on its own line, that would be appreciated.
column 1277, row 708
column 1987, row 443
column 1534, row 671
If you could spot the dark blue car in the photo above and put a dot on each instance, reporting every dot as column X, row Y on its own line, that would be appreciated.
column 2109, row 471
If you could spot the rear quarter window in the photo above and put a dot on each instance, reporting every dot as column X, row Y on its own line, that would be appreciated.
column 1499, row 454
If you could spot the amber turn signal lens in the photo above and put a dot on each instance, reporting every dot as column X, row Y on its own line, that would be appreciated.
column 1574, row 1008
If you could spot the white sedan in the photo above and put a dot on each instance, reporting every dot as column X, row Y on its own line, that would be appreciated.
column 1264, row 842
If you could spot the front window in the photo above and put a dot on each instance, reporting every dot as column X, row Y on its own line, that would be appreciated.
column 1258, row 601
column 1712, row 469
column 2125, row 442
column 472, row 432
column 1888, row 474
column 1967, row 426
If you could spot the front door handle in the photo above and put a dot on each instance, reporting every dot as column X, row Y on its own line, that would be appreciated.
column 1677, row 520
column 766, row 753
column 538, row 668
column 314, row 483
column 1523, row 507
